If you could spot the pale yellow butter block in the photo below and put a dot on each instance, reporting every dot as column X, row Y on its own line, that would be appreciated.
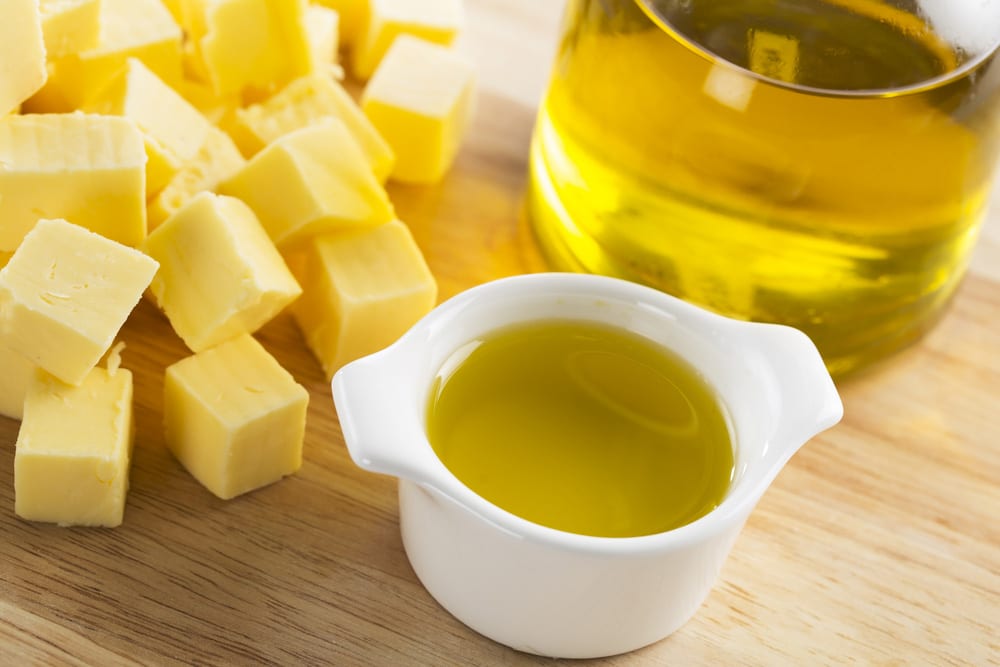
column 65, row 294
column 322, row 32
column 220, row 276
column 174, row 131
column 304, row 102
column 437, row 21
column 15, row 372
column 217, row 160
column 234, row 418
column 70, row 26
column 22, row 53
column 74, row 449
column 311, row 181
column 361, row 291
column 249, row 46
column 85, row 168
column 421, row 101
column 353, row 17
column 142, row 29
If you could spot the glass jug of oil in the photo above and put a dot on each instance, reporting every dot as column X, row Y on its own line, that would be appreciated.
column 819, row 163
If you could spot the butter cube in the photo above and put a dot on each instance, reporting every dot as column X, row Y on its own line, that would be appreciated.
column 217, row 160
column 322, row 33
column 304, row 102
column 22, row 53
column 140, row 29
column 88, row 169
column 234, row 418
column 311, row 181
column 70, row 26
column 220, row 276
column 73, row 451
column 173, row 130
column 361, row 290
column 420, row 100
column 15, row 373
column 65, row 294
column 353, row 17
column 436, row 21
column 249, row 46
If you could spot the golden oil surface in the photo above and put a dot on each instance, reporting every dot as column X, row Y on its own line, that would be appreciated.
column 583, row 428
column 780, row 197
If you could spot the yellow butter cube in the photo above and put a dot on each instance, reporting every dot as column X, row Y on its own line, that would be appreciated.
column 436, row 21
column 323, row 32
column 15, row 373
column 361, row 290
column 234, row 418
column 353, row 17
column 217, row 160
column 65, row 294
column 85, row 168
column 303, row 102
column 420, row 100
column 140, row 29
column 311, row 181
column 73, row 451
column 22, row 53
column 174, row 131
column 70, row 26
column 249, row 46
column 220, row 276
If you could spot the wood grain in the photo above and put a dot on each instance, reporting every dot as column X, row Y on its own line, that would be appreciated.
column 878, row 544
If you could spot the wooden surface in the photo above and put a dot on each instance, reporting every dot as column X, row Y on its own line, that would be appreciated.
column 878, row 544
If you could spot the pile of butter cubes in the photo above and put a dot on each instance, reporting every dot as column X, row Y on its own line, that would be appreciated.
column 206, row 154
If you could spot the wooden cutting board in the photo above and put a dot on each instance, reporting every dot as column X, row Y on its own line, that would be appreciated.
column 878, row 544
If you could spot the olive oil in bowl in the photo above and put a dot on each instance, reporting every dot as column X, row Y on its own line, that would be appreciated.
column 583, row 428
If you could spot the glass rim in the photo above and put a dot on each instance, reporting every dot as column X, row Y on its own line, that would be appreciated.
column 859, row 93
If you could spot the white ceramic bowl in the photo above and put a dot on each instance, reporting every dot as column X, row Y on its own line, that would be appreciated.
column 542, row 590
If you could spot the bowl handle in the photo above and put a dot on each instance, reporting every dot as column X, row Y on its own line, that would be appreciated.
column 378, row 418
column 801, row 395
